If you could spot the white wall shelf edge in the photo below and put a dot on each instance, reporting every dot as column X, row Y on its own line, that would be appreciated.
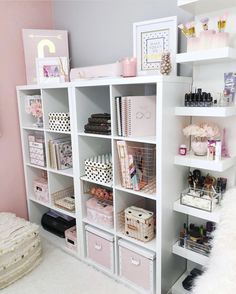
column 206, row 111
column 202, row 162
column 203, row 6
column 211, row 216
column 189, row 254
column 207, row 56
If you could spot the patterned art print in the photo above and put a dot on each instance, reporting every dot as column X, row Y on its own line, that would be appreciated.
column 153, row 44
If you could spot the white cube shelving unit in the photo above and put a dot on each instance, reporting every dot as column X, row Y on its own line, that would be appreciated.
column 81, row 99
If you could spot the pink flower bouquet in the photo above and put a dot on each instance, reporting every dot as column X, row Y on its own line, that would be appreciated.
column 203, row 130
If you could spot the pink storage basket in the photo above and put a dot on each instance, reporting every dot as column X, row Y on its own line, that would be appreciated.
column 100, row 212
column 71, row 238
column 100, row 248
column 137, row 266
column 40, row 187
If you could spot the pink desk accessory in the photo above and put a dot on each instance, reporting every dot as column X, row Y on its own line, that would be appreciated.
column 129, row 67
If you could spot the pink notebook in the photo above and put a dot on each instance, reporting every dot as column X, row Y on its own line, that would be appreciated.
column 141, row 116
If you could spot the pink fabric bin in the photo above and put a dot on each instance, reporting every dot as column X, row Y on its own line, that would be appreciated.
column 71, row 238
column 100, row 248
column 100, row 212
column 137, row 266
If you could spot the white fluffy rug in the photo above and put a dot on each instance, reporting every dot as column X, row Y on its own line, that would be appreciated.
column 63, row 274
column 220, row 274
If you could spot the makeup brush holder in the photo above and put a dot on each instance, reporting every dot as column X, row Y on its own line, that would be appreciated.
column 200, row 199
column 207, row 39
column 220, row 40
column 193, row 44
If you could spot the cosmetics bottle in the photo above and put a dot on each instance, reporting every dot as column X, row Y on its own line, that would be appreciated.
column 185, row 235
column 204, row 99
column 218, row 150
column 192, row 100
column 182, row 150
column 209, row 100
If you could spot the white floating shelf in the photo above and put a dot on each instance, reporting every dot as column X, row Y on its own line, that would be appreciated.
column 64, row 172
column 40, row 202
column 61, row 210
column 151, row 245
column 36, row 166
column 138, row 193
column 84, row 178
column 207, row 56
column 111, row 231
column 189, row 254
column 94, row 135
column 211, row 216
column 58, row 132
column 177, row 288
column 30, row 128
column 203, row 6
column 202, row 162
column 148, row 140
column 206, row 111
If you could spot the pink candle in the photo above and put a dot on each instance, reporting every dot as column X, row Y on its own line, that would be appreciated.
column 129, row 67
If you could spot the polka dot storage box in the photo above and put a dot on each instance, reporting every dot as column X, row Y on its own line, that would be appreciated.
column 59, row 121
column 99, row 168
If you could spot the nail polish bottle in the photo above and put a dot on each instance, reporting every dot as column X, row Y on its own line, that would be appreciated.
column 209, row 100
column 203, row 100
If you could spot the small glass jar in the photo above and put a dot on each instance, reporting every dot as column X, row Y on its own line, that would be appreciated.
column 182, row 150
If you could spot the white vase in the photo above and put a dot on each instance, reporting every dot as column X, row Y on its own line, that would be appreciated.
column 199, row 146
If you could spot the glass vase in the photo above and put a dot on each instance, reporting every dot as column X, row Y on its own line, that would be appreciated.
column 199, row 146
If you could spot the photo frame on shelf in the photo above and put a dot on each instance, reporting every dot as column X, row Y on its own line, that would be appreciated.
column 151, row 39
column 30, row 100
column 42, row 43
column 52, row 69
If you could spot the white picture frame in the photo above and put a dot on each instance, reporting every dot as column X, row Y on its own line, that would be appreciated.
column 152, row 38
column 52, row 70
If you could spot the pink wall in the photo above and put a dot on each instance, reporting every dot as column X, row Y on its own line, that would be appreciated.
column 14, row 16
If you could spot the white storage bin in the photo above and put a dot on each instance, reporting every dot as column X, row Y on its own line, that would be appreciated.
column 137, row 266
column 100, row 248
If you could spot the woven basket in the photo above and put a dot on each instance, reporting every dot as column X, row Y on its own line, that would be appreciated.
column 61, row 199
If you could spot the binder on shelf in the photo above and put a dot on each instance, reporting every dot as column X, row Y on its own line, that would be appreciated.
column 60, row 153
column 124, row 116
column 136, row 116
column 118, row 115
column 141, row 116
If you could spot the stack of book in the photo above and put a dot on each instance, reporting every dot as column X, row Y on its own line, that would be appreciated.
column 99, row 123
column 60, row 153
column 136, row 116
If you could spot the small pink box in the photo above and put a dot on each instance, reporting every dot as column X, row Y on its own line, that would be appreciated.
column 71, row 238
column 100, row 248
column 98, row 71
column 100, row 212
column 40, row 187
column 137, row 266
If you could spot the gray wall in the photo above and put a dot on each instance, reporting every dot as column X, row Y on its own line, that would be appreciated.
column 100, row 31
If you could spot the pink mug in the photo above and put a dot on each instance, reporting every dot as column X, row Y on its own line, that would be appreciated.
column 129, row 67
